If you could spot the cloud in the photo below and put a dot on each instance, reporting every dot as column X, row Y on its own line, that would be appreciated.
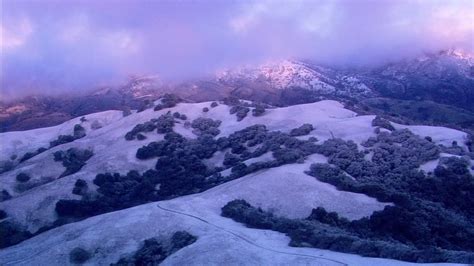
column 14, row 35
column 52, row 45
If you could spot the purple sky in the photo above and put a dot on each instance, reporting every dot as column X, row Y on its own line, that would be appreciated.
column 58, row 45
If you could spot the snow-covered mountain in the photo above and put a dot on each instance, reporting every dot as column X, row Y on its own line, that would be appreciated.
column 281, row 75
column 442, row 78
column 282, row 187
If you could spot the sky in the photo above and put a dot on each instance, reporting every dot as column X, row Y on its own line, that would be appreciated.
column 71, row 45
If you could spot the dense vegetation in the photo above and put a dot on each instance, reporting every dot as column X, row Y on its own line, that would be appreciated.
column 432, row 219
column 163, row 124
column 153, row 251
column 180, row 169
column 327, row 231
column 79, row 132
column 416, row 111
column 73, row 159
column 304, row 129
column 167, row 101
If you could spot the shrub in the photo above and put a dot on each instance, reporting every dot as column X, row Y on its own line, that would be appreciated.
column 203, row 126
column 239, row 111
column 164, row 124
column 205, row 109
column 4, row 195
column 80, row 187
column 259, row 110
column 153, row 251
column 167, row 101
column 6, row 166
column 140, row 136
column 214, row 104
column 383, row 123
column 22, row 177
column 231, row 101
column 79, row 255
column 304, row 129
column 180, row 240
column 12, row 234
column 62, row 139
column 3, row 214
column 73, row 159
column 79, row 131
column 230, row 159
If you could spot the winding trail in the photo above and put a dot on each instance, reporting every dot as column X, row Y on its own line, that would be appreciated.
column 247, row 240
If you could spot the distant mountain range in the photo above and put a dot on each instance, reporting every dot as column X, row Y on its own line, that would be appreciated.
column 441, row 83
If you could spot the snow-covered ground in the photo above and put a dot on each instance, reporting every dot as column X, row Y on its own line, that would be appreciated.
column 221, row 241
column 285, row 190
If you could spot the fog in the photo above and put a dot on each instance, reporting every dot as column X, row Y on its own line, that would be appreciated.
column 67, row 46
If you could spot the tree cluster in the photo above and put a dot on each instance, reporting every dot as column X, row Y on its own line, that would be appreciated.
column 163, row 124
column 167, row 101
column 328, row 231
column 73, row 159
column 303, row 130
column 153, row 250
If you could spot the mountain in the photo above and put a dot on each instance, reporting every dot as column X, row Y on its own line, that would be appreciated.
column 444, row 78
column 440, row 83
column 313, row 183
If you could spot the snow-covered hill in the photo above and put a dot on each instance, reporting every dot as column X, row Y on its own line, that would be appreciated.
column 285, row 190
column 281, row 75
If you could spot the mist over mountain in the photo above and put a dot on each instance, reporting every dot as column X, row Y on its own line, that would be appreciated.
column 79, row 45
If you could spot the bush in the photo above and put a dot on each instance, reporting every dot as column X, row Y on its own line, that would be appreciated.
column 4, row 195
column 167, row 101
column 73, row 159
column 203, row 126
column 22, row 177
column 259, row 110
column 3, row 214
column 62, row 139
column 153, row 251
column 205, row 109
column 383, row 123
column 80, row 187
column 12, row 234
column 164, row 124
column 79, row 256
column 79, row 131
column 214, row 104
column 230, row 159
column 180, row 240
column 140, row 136
column 304, row 129
column 239, row 111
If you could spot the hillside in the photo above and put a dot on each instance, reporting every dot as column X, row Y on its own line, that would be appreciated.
column 229, row 150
